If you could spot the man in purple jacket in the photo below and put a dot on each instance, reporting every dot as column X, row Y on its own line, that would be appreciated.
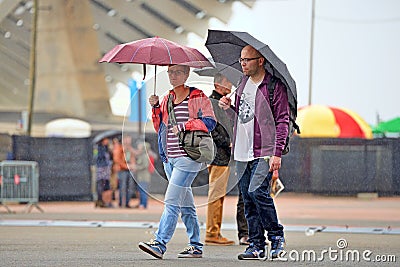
column 260, row 133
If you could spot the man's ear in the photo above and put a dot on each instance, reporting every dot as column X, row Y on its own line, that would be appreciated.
column 262, row 61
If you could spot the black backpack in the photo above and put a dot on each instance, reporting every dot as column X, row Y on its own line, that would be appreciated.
column 292, row 113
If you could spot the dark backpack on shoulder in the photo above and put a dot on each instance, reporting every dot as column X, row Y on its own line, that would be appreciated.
column 292, row 113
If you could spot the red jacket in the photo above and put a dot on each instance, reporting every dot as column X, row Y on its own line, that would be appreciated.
column 201, row 117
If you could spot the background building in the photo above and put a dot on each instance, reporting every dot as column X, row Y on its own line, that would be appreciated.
column 71, row 37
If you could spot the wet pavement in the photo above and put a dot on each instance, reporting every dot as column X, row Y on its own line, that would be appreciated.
column 320, row 230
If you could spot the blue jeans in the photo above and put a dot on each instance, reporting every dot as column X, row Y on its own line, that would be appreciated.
column 254, row 182
column 143, row 189
column 124, row 181
column 179, row 201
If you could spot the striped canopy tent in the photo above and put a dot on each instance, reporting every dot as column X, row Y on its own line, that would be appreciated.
column 331, row 122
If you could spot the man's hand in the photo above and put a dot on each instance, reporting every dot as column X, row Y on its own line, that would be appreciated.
column 275, row 163
column 275, row 175
column 154, row 100
column 224, row 102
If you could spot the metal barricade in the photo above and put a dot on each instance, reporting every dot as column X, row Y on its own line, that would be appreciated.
column 19, row 182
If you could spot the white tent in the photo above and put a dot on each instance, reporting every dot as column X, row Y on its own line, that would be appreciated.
column 68, row 128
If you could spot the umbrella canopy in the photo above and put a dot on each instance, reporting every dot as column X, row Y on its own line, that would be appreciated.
column 106, row 134
column 331, row 122
column 390, row 126
column 232, row 74
column 225, row 48
column 156, row 51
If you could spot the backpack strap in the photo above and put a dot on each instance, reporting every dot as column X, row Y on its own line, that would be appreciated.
column 295, row 125
column 271, row 88
column 170, row 108
column 172, row 117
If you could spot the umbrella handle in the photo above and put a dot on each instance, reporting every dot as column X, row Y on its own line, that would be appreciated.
column 144, row 71
column 231, row 93
column 155, row 78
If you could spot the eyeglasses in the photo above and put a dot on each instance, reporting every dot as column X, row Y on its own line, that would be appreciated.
column 175, row 72
column 246, row 60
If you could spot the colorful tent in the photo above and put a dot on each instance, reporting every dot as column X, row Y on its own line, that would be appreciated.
column 390, row 126
column 331, row 122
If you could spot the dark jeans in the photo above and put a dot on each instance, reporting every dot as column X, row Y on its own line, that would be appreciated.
column 243, row 229
column 254, row 182
column 143, row 188
column 124, row 184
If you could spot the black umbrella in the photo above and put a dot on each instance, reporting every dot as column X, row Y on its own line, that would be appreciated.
column 106, row 134
column 225, row 48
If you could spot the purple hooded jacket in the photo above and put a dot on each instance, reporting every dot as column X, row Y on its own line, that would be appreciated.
column 269, row 133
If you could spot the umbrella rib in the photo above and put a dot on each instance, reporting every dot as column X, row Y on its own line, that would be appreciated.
column 169, row 53
column 137, row 50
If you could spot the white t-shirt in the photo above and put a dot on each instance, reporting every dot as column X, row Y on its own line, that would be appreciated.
column 245, row 126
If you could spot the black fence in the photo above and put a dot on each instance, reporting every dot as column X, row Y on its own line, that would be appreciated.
column 324, row 166
column 342, row 166
column 64, row 165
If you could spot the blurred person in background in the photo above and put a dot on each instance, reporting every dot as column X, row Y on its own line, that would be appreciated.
column 124, row 158
column 103, row 174
column 10, row 153
column 142, row 173
column 114, row 171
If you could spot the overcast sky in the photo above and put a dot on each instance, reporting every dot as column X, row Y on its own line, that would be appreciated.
column 356, row 49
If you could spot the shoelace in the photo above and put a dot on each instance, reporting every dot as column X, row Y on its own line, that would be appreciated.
column 153, row 242
column 189, row 248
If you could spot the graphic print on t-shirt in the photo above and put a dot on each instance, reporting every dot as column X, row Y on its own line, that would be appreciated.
column 246, row 113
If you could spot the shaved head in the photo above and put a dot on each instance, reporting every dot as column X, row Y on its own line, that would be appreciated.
column 252, row 51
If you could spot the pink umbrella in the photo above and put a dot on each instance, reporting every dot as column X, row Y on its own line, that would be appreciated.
column 156, row 51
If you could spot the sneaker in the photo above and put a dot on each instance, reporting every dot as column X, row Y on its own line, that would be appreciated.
column 219, row 241
column 191, row 252
column 251, row 253
column 153, row 248
column 244, row 241
column 277, row 246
